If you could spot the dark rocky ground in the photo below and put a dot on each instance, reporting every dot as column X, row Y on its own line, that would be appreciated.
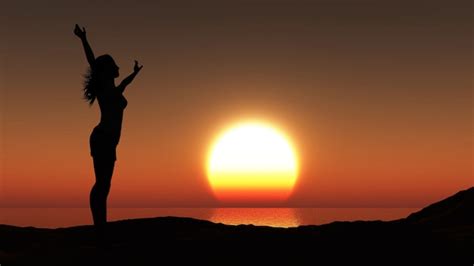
column 440, row 234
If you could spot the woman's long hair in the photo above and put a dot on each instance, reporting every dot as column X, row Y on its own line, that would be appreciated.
column 98, row 70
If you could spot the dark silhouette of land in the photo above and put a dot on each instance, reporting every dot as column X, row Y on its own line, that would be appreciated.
column 442, row 233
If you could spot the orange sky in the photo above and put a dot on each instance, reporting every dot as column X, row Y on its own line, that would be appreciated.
column 376, row 97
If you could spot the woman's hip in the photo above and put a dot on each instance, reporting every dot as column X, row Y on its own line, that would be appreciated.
column 102, row 144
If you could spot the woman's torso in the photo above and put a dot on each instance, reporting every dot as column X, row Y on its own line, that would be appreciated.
column 112, row 105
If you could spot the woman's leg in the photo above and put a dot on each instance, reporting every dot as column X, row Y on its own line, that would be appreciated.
column 103, row 169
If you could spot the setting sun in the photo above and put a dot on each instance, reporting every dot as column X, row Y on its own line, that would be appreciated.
column 252, row 162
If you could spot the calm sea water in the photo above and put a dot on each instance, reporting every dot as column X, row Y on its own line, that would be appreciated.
column 277, row 217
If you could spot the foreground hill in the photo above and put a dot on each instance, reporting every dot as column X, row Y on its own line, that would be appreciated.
column 457, row 210
column 442, row 232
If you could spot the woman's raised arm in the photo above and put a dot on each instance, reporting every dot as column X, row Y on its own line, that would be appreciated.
column 126, row 81
column 87, row 48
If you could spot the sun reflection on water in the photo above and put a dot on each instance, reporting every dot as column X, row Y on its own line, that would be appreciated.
column 275, row 217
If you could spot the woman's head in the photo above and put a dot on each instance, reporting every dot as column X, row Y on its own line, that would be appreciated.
column 103, row 69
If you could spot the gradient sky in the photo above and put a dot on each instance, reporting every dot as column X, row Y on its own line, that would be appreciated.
column 376, row 96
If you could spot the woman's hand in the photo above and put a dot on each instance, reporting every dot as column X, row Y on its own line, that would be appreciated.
column 137, row 67
column 80, row 33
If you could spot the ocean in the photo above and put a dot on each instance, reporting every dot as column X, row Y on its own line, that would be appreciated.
column 276, row 217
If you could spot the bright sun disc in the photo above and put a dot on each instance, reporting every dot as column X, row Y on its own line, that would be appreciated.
column 252, row 162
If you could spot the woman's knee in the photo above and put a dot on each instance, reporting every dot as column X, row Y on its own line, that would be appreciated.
column 103, row 185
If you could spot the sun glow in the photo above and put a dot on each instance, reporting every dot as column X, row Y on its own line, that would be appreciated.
column 252, row 162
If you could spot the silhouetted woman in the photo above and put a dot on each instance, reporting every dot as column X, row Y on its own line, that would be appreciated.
column 100, row 85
